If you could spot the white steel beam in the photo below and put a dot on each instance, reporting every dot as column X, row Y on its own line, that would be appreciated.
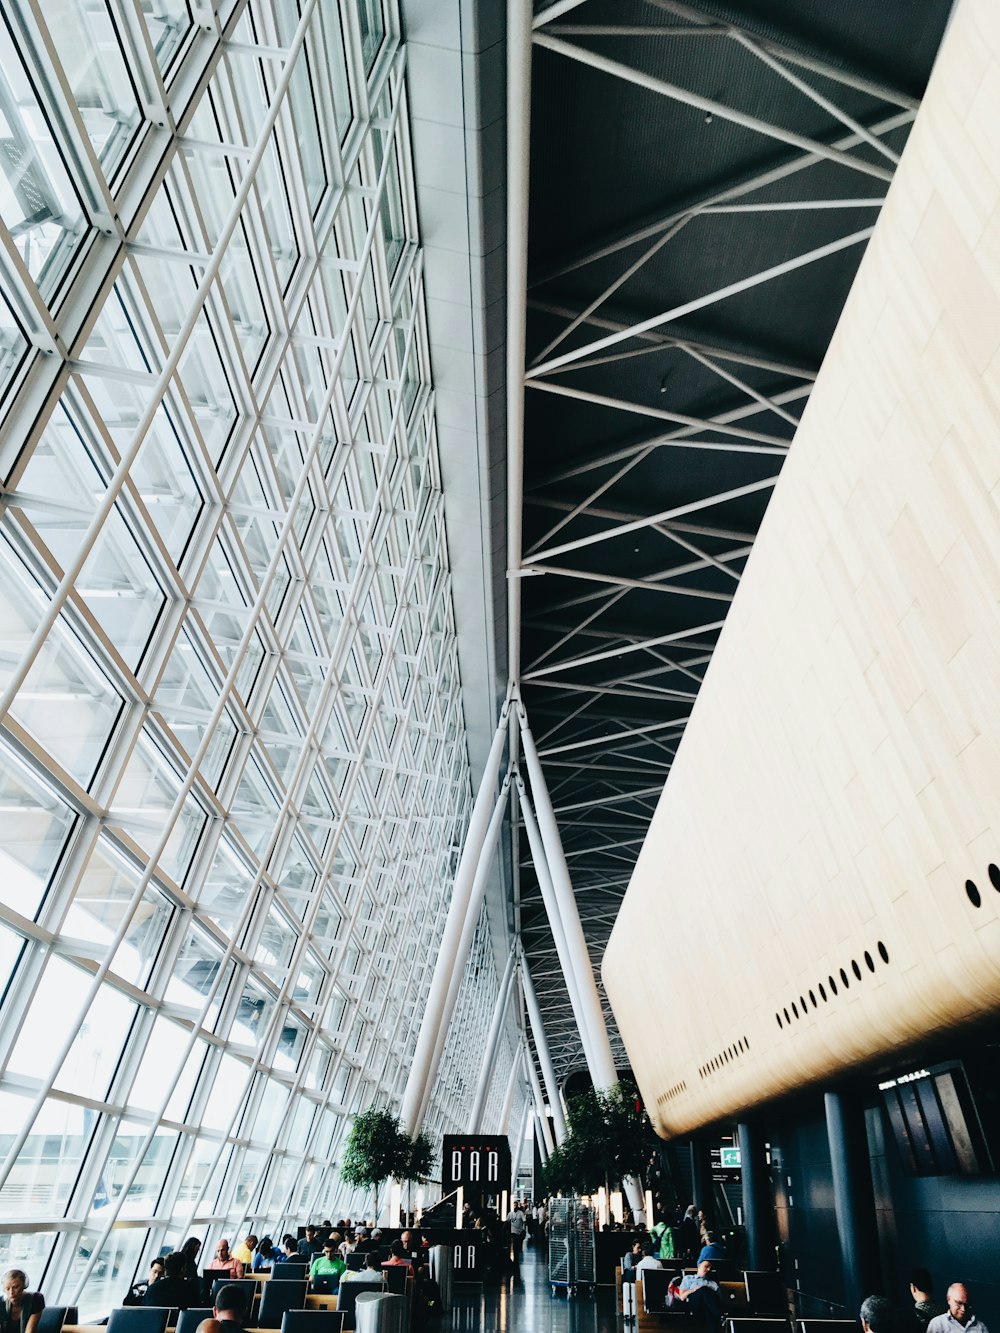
column 677, row 511
column 603, row 1069
column 542, row 1047
column 710, row 106
column 710, row 298
column 474, row 907
column 645, row 585
column 544, row 877
column 541, row 1119
column 642, row 645
column 490, row 1049
column 601, row 249
column 763, row 443
column 421, row 1071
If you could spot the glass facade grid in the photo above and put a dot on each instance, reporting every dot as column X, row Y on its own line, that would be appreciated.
column 231, row 761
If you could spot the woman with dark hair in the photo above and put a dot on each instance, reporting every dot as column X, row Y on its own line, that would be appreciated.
column 190, row 1250
column 20, row 1309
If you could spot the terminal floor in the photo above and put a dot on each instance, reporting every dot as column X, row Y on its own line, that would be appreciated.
column 523, row 1303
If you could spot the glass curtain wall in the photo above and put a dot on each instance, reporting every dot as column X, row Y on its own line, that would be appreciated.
column 232, row 763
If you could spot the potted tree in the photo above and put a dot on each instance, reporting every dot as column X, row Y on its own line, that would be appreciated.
column 376, row 1149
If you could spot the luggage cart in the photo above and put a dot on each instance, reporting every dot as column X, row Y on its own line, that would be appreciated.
column 572, row 1258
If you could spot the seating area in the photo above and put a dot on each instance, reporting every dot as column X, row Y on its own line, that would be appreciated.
column 753, row 1302
column 758, row 1302
column 279, row 1303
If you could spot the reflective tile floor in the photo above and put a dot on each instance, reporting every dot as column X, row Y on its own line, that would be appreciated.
column 523, row 1303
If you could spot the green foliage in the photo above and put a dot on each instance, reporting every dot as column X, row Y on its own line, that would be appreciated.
column 606, row 1139
column 420, row 1152
column 377, row 1148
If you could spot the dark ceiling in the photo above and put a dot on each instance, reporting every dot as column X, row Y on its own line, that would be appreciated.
column 658, row 451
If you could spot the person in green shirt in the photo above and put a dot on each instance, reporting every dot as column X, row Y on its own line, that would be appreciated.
column 327, row 1266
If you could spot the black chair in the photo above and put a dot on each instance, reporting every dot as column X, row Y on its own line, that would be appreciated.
column 763, row 1325
column 52, row 1319
column 139, row 1319
column 246, row 1284
column 188, row 1320
column 290, row 1272
column 348, row 1295
column 655, row 1282
column 278, row 1296
column 766, row 1293
column 395, row 1278
column 828, row 1325
column 209, row 1277
column 356, row 1260
column 312, row 1321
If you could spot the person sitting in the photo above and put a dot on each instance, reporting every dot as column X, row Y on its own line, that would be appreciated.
column 264, row 1255
column 648, row 1260
column 139, row 1289
column 245, row 1251
column 631, row 1260
column 189, row 1251
column 223, row 1259
column 229, row 1311
column 21, row 1309
column 925, row 1307
column 173, row 1290
column 700, row 1293
column 310, row 1245
column 326, row 1268
column 372, row 1271
column 289, row 1252
column 426, row 1295
column 397, row 1255
column 714, row 1248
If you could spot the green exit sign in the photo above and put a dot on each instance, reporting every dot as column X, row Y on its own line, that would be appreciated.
column 729, row 1159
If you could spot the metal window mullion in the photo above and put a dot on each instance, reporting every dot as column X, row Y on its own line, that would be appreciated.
column 83, row 165
column 141, row 60
column 162, row 383
column 189, row 1046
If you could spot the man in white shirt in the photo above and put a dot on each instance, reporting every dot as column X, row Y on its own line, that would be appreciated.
column 647, row 1261
column 518, row 1224
column 959, row 1316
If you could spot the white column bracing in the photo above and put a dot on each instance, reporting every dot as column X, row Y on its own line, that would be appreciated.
column 473, row 910
column 518, row 1153
column 542, row 1047
column 540, row 1117
column 492, row 1041
column 465, row 943
column 552, row 912
column 507, row 1108
column 590, row 1015
column 422, row 1070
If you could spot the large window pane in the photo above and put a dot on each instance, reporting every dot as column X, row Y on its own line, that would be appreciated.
column 34, row 827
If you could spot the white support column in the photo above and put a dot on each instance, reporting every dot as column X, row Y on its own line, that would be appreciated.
column 542, row 1047
column 492, row 1041
column 602, row 1065
column 518, row 1153
column 552, row 912
column 508, row 1098
column 542, row 1138
column 536, row 1090
column 422, row 1070
column 475, row 906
